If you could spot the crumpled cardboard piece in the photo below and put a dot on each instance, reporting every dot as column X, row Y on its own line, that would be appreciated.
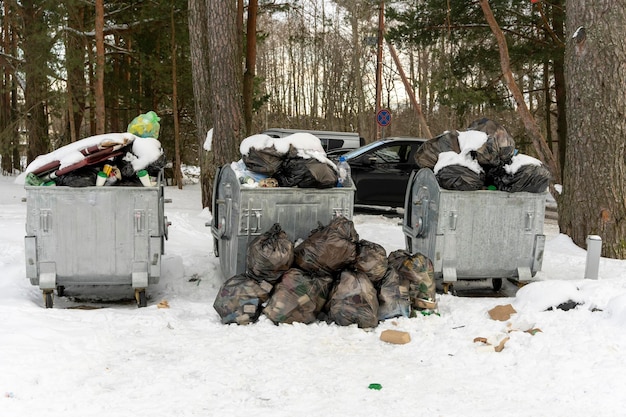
column 491, row 344
column 395, row 336
column 502, row 313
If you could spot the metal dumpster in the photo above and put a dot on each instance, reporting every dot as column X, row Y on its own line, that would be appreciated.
column 240, row 214
column 94, row 236
column 472, row 235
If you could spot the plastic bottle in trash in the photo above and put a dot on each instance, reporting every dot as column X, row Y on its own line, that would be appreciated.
column 32, row 179
column 345, row 177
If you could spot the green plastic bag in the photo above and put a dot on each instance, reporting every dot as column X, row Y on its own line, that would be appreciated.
column 145, row 125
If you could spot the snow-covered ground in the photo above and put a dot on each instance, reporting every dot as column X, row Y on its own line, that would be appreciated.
column 95, row 353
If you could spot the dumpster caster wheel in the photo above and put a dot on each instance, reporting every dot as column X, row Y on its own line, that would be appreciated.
column 47, row 298
column 140, row 296
column 496, row 284
column 60, row 290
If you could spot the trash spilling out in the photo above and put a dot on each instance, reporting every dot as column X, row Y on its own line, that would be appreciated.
column 482, row 157
column 334, row 277
column 95, row 213
column 120, row 159
column 476, row 207
column 296, row 160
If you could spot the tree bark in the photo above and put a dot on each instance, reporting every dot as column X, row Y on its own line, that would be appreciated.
column 225, row 64
column 248, row 77
column 593, row 200
column 199, row 49
column 8, row 126
column 558, row 23
column 99, row 93
column 538, row 141
column 177, row 173
column 36, row 46
column 75, row 65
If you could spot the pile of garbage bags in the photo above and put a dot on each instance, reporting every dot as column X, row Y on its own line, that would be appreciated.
column 297, row 160
column 482, row 157
column 130, row 158
column 331, row 276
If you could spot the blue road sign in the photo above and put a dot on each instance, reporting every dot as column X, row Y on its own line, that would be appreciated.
column 383, row 117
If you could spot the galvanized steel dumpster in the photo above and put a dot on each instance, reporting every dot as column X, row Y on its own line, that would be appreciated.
column 472, row 235
column 241, row 213
column 111, row 235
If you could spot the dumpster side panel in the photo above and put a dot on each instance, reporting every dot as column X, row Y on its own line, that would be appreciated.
column 488, row 233
column 93, row 234
column 241, row 214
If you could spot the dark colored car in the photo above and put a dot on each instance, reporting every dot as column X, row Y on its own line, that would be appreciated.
column 381, row 170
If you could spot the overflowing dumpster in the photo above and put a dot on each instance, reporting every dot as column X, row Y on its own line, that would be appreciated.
column 241, row 213
column 469, row 235
column 98, row 236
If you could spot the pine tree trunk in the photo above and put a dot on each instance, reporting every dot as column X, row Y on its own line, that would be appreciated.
column 594, row 199
column 248, row 80
column 226, row 85
column 177, row 173
column 99, row 84
column 36, row 48
column 75, row 66
column 199, row 49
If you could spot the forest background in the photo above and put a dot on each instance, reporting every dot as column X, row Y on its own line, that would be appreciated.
column 551, row 72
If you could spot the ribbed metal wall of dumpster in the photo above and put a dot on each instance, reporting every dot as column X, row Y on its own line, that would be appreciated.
column 240, row 214
column 94, row 236
column 474, row 234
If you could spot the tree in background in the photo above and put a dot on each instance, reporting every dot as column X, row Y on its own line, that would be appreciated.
column 9, row 146
column 594, row 199
column 199, row 47
column 226, row 83
column 75, row 56
column 100, row 113
column 36, row 45
column 464, row 73
column 538, row 141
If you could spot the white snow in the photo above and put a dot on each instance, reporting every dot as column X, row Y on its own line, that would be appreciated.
column 471, row 140
column 117, row 360
column 147, row 150
column 71, row 150
column 208, row 141
column 306, row 144
column 519, row 161
column 144, row 152
column 452, row 158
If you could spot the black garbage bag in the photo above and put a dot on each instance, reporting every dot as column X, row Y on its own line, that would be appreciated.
column 353, row 300
column 240, row 299
column 298, row 297
column 155, row 168
column 393, row 296
column 530, row 178
column 499, row 147
column 306, row 173
column 371, row 259
column 428, row 154
column 460, row 178
column 264, row 161
column 269, row 255
column 82, row 177
column 418, row 270
column 328, row 249
column 126, row 168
